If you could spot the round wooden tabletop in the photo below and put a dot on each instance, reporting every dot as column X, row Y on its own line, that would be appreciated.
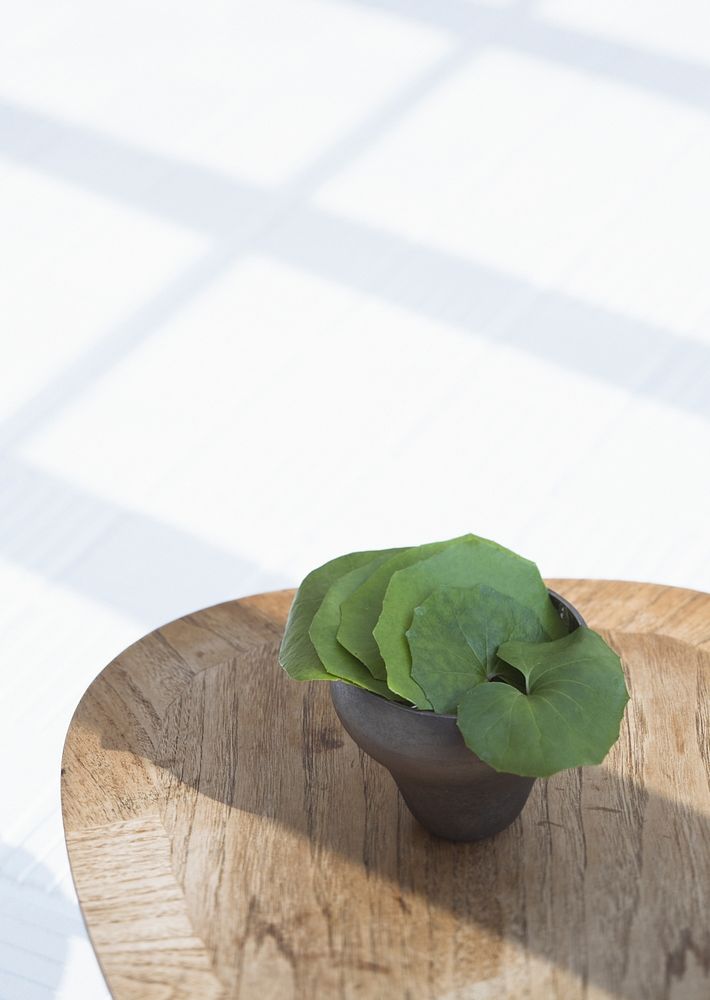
column 227, row 839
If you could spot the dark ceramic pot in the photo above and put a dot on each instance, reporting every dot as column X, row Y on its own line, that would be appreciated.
column 450, row 790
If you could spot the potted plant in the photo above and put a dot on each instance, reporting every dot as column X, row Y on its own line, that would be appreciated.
column 457, row 669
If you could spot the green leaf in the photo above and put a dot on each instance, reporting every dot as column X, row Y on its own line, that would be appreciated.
column 569, row 716
column 359, row 613
column 324, row 627
column 298, row 655
column 468, row 562
column 454, row 636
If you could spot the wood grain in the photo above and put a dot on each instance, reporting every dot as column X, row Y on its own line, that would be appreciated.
column 227, row 839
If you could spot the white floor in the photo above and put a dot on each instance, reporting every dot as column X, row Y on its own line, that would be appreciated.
column 285, row 279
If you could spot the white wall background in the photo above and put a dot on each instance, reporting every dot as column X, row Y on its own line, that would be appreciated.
column 285, row 279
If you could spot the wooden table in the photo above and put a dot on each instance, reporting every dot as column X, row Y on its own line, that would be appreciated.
column 227, row 838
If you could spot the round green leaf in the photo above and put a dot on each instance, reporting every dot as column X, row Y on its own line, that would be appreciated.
column 297, row 654
column 569, row 716
column 360, row 611
column 454, row 636
column 471, row 561
column 323, row 631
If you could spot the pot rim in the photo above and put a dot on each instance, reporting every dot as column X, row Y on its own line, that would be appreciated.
column 430, row 713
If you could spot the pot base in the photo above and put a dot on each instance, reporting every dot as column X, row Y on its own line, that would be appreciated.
column 467, row 813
